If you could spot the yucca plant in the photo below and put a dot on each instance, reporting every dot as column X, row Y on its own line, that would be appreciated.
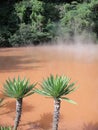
column 18, row 89
column 57, row 88
column 5, row 128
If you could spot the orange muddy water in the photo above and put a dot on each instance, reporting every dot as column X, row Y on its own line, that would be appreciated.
column 78, row 62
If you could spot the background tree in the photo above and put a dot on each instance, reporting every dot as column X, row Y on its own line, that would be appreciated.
column 24, row 22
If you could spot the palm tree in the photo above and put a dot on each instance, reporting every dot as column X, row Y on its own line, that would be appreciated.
column 56, row 87
column 18, row 89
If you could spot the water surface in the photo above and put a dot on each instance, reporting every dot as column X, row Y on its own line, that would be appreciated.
column 78, row 62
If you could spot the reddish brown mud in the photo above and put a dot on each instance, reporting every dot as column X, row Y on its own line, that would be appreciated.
column 78, row 62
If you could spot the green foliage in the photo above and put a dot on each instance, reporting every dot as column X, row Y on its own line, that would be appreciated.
column 26, row 22
column 4, row 35
column 51, row 12
column 31, row 28
column 23, row 36
column 26, row 35
column 57, row 87
column 8, row 23
column 5, row 128
column 37, row 23
column 29, row 11
column 78, row 17
column 18, row 88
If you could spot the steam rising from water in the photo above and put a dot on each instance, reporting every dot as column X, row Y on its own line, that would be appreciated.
column 81, row 50
column 78, row 50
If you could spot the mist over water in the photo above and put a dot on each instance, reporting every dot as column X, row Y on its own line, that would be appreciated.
column 78, row 50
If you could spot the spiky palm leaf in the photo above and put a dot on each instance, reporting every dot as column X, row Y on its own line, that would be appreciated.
column 5, row 128
column 18, row 88
column 57, row 87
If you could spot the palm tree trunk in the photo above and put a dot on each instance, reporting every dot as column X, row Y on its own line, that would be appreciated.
column 56, row 114
column 18, row 113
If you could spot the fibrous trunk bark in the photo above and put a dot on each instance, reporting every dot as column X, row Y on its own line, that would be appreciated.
column 18, row 113
column 56, row 114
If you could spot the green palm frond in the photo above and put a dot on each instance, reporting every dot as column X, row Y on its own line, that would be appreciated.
column 68, row 100
column 17, row 88
column 5, row 128
column 56, row 87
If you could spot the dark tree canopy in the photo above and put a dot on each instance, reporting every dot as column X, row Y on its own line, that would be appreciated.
column 24, row 22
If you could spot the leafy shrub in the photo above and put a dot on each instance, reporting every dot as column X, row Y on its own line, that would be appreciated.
column 22, row 36
column 27, row 35
column 4, row 35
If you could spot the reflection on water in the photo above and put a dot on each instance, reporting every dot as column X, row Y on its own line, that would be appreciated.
column 78, row 62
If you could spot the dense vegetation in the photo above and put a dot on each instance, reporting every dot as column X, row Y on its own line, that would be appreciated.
column 25, row 22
